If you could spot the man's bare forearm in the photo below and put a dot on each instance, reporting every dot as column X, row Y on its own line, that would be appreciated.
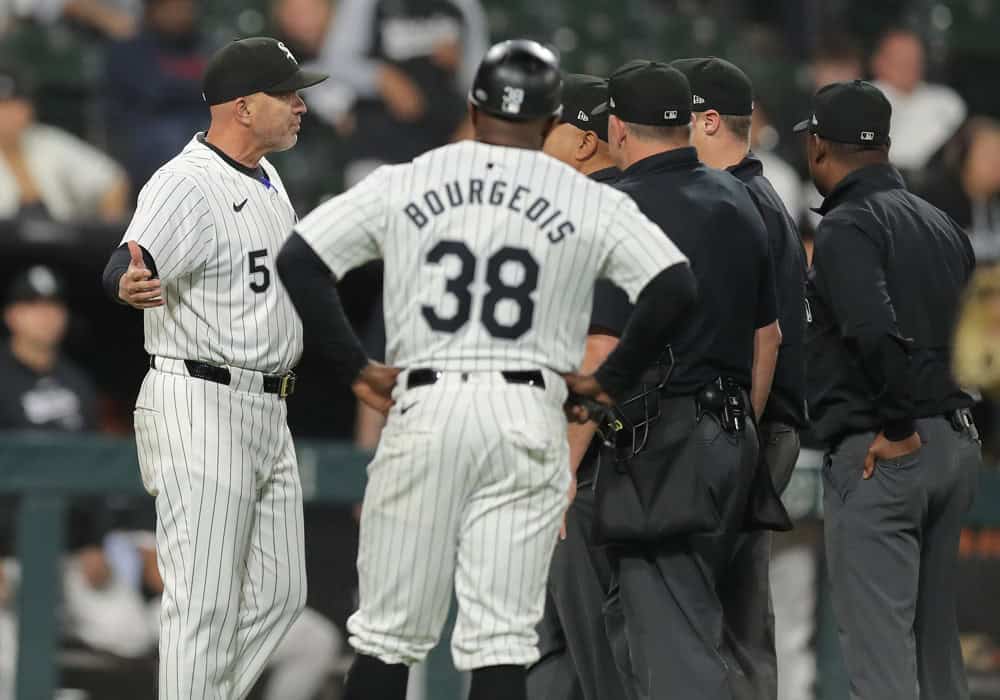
column 599, row 346
column 766, row 342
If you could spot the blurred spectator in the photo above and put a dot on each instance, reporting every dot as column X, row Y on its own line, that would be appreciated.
column 836, row 59
column 965, row 181
column 42, row 389
column 409, row 63
column 154, row 87
column 764, row 140
column 48, row 173
column 103, row 17
column 924, row 115
column 304, row 26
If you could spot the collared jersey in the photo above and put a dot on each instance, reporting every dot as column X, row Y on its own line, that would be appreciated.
column 711, row 217
column 787, row 402
column 213, row 229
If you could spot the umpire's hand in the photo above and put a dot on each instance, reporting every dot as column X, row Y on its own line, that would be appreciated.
column 137, row 287
column 587, row 399
column 374, row 386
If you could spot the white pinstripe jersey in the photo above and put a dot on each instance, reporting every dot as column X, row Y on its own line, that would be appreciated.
column 214, row 232
column 491, row 254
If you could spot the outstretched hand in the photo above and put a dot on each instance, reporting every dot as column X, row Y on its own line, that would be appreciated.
column 374, row 386
column 137, row 287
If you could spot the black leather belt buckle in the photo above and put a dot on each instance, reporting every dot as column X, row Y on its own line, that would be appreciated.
column 281, row 384
column 530, row 377
column 210, row 373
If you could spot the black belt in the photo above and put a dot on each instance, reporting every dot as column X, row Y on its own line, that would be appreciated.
column 425, row 376
column 281, row 384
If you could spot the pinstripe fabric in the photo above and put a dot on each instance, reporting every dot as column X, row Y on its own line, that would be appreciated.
column 585, row 231
column 474, row 508
column 186, row 219
column 222, row 467
column 491, row 255
column 219, row 459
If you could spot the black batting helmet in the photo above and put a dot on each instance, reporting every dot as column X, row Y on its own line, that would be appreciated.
column 518, row 80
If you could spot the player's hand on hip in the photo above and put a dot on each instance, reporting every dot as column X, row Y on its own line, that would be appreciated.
column 374, row 386
column 587, row 398
column 884, row 448
column 137, row 287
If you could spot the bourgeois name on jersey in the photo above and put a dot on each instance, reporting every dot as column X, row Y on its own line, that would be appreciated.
column 555, row 225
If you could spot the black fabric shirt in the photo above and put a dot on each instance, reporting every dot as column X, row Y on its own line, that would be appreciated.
column 711, row 217
column 787, row 402
column 62, row 399
column 888, row 273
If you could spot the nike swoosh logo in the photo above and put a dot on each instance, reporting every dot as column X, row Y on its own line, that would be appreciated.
column 404, row 409
column 239, row 207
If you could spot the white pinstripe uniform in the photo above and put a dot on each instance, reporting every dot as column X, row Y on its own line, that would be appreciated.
column 491, row 254
column 219, row 459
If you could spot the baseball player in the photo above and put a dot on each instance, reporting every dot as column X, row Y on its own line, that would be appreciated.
column 491, row 252
column 210, row 418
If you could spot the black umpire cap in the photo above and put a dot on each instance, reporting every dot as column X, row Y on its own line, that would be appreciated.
column 585, row 103
column 717, row 84
column 35, row 284
column 518, row 80
column 648, row 92
column 853, row 111
column 258, row 64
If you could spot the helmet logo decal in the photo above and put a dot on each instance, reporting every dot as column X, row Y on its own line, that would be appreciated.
column 513, row 98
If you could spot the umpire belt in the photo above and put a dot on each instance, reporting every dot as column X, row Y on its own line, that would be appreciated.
column 425, row 376
column 240, row 379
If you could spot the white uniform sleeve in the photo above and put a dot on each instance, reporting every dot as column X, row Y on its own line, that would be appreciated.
column 174, row 223
column 348, row 230
column 639, row 250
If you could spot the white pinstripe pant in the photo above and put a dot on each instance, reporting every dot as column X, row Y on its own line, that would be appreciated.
column 221, row 464
column 466, row 493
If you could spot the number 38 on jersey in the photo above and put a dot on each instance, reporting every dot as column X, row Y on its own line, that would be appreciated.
column 507, row 308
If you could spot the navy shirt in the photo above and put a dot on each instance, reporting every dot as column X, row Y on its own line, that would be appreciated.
column 711, row 217
column 787, row 402
column 888, row 274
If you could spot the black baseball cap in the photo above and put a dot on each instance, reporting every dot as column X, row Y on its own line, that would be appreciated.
column 648, row 92
column 717, row 84
column 14, row 84
column 853, row 111
column 585, row 103
column 258, row 64
column 36, row 283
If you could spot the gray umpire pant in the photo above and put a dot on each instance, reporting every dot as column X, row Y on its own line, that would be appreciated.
column 746, row 591
column 665, row 619
column 576, row 661
column 892, row 551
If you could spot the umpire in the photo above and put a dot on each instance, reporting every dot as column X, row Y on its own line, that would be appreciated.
column 575, row 658
column 673, row 493
column 722, row 96
column 888, row 271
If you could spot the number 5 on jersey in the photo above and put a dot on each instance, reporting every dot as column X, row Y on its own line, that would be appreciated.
column 499, row 290
column 260, row 284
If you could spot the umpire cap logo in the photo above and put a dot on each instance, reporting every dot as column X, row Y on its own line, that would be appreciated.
column 670, row 114
column 582, row 116
column 867, row 135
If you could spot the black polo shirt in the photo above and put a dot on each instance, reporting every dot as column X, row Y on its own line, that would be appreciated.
column 711, row 217
column 787, row 402
column 888, row 273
